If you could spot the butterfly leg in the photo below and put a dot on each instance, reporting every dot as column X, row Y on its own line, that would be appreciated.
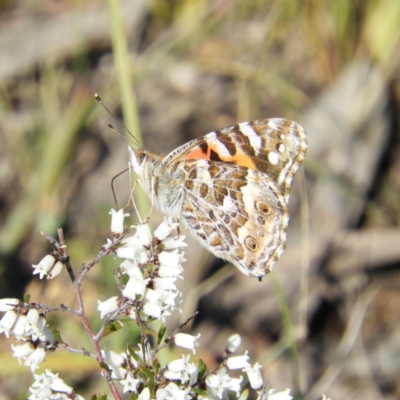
column 131, row 199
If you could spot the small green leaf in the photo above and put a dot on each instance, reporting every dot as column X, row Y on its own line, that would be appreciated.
column 124, row 279
column 99, row 397
column 244, row 395
column 156, row 365
column 149, row 375
column 27, row 297
column 161, row 333
column 134, row 355
column 111, row 327
column 201, row 392
column 201, row 367
column 56, row 334
column 105, row 366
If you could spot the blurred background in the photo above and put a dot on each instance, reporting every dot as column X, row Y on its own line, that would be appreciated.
column 327, row 319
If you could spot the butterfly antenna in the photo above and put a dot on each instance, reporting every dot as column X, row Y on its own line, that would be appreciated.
column 98, row 98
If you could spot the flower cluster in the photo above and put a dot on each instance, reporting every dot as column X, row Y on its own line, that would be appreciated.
column 28, row 327
column 146, row 277
column 152, row 264
column 50, row 386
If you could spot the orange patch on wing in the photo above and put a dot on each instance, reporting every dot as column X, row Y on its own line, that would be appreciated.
column 199, row 154
column 241, row 159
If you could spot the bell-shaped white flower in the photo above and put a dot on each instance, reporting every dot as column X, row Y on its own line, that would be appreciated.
column 187, row 341
column 165, row 228
column 144, row 394
column 55, row 270
column 8, row 304
column 44, row 266
column 238, row 362
column 7, row 322
column 18, row 329
column 35, row 358
column 117, row 221
column 233, row 343
column 108, row 306
column 115, row 362
column 254, row 375
column 22, row 351
column 135, row 287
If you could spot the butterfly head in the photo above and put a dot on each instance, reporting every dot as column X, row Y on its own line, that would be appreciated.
column 144, row 163
column 138, row 160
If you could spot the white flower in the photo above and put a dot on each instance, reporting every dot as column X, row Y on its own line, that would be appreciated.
column 7, row 322
column 44, row 266
column 144, row 394
column 171, row 259
column 22, row 351
column 165, row 228
column 182, row 370
column 254, row 375
column 180, row 364
column 117, row 221
column 187, row 341
column 172, row 300
column 32, row 319
column 172, row 392
column 153, row 310
column 108, row 306
column 174, row 242
column 164, row 283
column 129, row 248
column 131, row 268
column 177, row 376
column 193, row 372
column 238, row 362
column 218, row 382
column 40, row 394
column 35, row 358
column 50, row 386
column 43, row 332
column 234, row 385
column 233, row 343
column 54, row 270
column 135, row 287
column 143, row 234
column 325, row 398
column 152, row 296
column 18, row 329
column 169, row 272
column 272, row 394
column 115, row 362
column 130, row 384
column 8, row 304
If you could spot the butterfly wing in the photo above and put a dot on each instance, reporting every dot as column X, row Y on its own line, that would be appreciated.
column 275, row 147
column 234, row 189
column 237, row 213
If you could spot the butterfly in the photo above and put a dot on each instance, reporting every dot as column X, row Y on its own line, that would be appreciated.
column 230, row 189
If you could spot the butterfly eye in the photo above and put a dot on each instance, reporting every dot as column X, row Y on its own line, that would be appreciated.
column 141, row 156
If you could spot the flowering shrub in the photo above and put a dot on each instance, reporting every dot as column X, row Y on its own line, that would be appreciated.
column 146, row 279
